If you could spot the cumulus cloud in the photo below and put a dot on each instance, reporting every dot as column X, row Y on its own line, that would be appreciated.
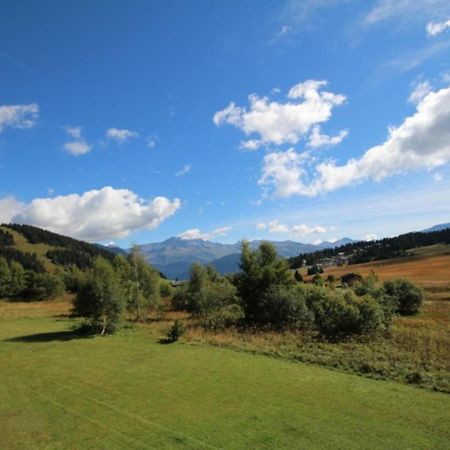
column 319, row 140
column 420, row 91
column 184, row 170
column 275, row 226
column 278, row 123
column 433, row 29
column 370, row 237
column 195, row 233
column 421, row 141
column 95, row 215
column 283, row 172
column 121, row 135
column 18, row 116
column 77, row 146
column 9, row 207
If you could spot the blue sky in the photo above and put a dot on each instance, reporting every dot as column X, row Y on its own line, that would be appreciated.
column 305, row 120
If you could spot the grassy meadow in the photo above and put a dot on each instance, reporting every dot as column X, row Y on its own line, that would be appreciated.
column 60, row 390
column 416, row 350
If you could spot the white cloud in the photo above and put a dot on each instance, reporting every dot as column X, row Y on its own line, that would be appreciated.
column 195, row 233
column 121, row 135
column 421, row 141
column 279, row 123
column 438, row 177
column 412, row 59
column 318, row 140
column 284, row 30
column 420, row 91
column 94, row 215
column 433, row 29
column 184, row 170
column 370, row 237
column 9, row 207
column 402, row 12
column 283, row 171
column 151, row 142
column 275, row 226
column 77, row 146
column 303, row 230
column 18, row 116
column 74, row 132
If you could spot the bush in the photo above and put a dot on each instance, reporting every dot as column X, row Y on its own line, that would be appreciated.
column 180, row 300
column 285, row 308
column 339, row 314
column 165, row 289
column 216, row 305
column 223, row 317
column 176, row 331
column 407, row 297
column 317, row 279
column 298, row 276
column 313, row 270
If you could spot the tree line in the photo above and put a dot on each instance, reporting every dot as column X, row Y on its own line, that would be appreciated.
column 267, row 295
column 387, row 248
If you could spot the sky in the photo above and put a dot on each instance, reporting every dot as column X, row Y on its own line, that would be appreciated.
column 308, row 120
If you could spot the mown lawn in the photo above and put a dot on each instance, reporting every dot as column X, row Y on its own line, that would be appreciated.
column 60, row 391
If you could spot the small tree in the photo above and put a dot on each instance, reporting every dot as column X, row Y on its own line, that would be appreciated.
column 5, row 278
column 100, row 298
column 18, row 279
column 176, row 331
column 298, row 276
column 260, row 269
column 406, row 295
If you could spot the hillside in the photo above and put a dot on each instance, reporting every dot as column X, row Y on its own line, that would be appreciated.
column 427, row 266
column 361, row 252
column 43, row 251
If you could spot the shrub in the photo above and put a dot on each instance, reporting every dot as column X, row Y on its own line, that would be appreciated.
column 407, row 297
column 313, row 270
column 175, row 331
column 165, row 289
column 298, row 276
column 350, row 279
column 317, row 279
column 224, row 317
column 285, row 308
column 180, row 300
column 339, row 314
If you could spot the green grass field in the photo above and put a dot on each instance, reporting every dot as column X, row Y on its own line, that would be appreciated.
column 59, row 391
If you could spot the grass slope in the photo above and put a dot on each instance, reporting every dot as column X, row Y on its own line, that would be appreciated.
column 22, row 244
column 59, row 391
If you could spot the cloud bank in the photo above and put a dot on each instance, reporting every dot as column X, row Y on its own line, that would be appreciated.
column 422, row 141
column 95, row 215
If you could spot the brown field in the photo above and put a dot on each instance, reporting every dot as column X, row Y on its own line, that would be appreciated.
column 429, row 268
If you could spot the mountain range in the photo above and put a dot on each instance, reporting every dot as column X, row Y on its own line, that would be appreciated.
column 175, row 256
